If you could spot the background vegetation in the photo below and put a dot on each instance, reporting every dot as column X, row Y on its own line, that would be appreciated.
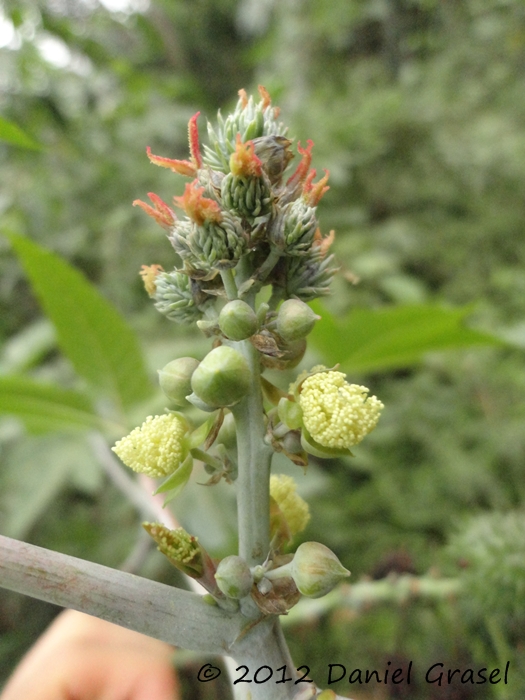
column 416, row 107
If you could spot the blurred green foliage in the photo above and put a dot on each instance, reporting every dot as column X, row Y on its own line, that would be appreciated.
column 416, row 108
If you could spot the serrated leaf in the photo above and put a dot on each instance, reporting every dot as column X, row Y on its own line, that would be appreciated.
column 46, row 407
column 370, row 340
column 90, row 332
column 13, row 134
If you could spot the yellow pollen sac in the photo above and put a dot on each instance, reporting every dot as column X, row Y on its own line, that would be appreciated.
column 294, row 509
column 335, row 413
column 155, row 448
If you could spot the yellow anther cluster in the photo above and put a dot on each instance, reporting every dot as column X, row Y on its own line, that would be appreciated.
column 335, row 413
column 155, row 448
column 294, row 509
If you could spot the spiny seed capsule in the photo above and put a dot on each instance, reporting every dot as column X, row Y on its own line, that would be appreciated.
column 295, row 320
column 237, row 320
column 175, row 379
column 222, row 378
column 234, row 577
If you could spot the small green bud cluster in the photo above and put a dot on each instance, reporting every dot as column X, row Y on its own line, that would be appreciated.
column 239, row 205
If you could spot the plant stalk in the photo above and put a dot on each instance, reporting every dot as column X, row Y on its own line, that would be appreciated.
column 164, row 612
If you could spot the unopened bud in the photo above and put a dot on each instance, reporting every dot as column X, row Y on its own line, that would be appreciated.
column 237, row 320
column 222, row 378
column 175, row 379
column 295, row 320
column 316, row 569
column 234, row 577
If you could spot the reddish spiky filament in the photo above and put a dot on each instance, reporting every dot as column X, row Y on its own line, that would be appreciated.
column 193, row 137
column 323, row 244
column 182, row 167
column 160, row 211
column 243, row 97
column 299, row 176
column 148, row 274
column 313, row 191
column 200, row 209
column 265, row 96
column 244, row 162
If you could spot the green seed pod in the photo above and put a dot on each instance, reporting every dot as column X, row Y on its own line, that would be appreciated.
column 316, row 569
column 234, row 577
column 222, row 378
column 237, row 320
column 175, row 379
column 295, row 320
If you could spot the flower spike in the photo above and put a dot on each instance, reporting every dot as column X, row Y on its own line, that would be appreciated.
column 182, row 167
column 200, row 209
column 160, row 211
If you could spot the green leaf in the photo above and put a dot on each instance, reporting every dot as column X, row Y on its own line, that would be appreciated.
column 174, row 484
column 381, row 339
column 13, row 134
column 46, row 407
column 33, row 473
column 90, row 332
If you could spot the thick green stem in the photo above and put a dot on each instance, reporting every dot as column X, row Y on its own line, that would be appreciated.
column 254, row 461
column 229, row 284
column 152, row 608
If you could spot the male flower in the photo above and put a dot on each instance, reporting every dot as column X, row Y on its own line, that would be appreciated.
column 337, row 414
column 293, row 508
column 156, row 448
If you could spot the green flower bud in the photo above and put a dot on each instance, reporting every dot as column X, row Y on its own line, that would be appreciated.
column 290, row 413
column 247, row 197
column 222, row 378
column 293, row 229
column 316, row 569
column 180, row 298
column 175, row 379
column 234, row 577
column 310, row 276
column 238, row 320
column 295, row 320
